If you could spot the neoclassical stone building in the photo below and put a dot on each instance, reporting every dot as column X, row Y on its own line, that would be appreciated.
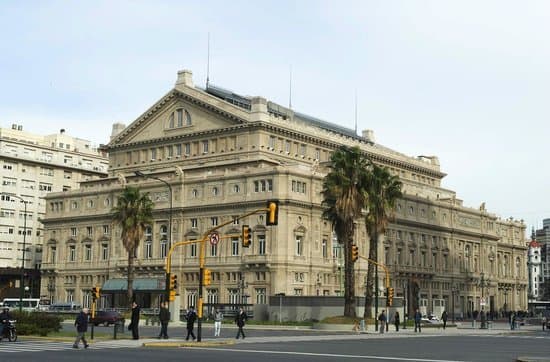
column 224, row 155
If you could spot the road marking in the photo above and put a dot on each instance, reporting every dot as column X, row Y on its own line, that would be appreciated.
column 329, row 355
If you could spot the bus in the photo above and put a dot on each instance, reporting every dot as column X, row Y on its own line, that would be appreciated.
column 28, row 304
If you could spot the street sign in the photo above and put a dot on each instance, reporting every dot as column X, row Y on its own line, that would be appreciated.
column 482, row 301
column 214, row 238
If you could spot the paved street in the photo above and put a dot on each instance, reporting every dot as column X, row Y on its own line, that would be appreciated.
column 432, row 345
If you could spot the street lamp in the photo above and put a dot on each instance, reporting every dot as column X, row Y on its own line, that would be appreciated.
column 22, row 276
column 483, row 283
column 141, row 174
column 454, row 290
column 242, row 285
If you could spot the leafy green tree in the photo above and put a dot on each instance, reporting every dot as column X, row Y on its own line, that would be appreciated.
column 344, row 199
column 384, row 190
column 133, row 212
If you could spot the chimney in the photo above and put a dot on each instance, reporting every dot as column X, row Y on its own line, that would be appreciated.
column 117, row 128
column 185, row 78
column 368, row 134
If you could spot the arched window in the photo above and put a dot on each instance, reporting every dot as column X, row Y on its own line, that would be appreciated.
column 171, row 121
column 179, row 116
column 187, row 118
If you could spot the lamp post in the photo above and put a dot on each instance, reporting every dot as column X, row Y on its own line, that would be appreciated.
column 242, row 285
column 22, row 276
column 482, row 284
column 405, row 292
column 141, row 174
column 454, row 291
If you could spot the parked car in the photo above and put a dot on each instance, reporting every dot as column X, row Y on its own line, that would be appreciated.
column 105, row 317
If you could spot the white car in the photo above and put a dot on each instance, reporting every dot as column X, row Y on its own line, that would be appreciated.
column 430, row 320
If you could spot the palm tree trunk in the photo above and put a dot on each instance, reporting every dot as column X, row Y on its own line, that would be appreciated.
column 131, row 276
column 373, row 255
column 349, row 293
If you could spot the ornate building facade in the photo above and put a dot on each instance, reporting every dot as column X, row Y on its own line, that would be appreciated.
column 224, row 155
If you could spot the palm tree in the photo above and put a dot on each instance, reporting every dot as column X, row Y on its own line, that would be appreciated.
column 383, row 189
column 344, row 198
column 133, row 212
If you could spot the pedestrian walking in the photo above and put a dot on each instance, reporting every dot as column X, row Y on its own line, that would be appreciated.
column 218, row 318
column 382, row 319
column 134, row 321
column 164, row 317
column 81, row 324
column 417, row 321
column 444, row 319
column 191, row 317
column 396, row 321
column 544, row 320
column 240, row 319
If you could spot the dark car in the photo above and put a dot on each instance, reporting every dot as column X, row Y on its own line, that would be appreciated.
column 105, row 317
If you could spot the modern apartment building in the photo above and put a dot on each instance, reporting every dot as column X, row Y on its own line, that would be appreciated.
column 543, row 238
column 32, row 166
column 223, row 155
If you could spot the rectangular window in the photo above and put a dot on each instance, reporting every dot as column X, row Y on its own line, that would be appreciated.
column 213, row 249
column 193, row 251
column 88, row 252
column 194, row 223
column 106, row 230
column 187, row 149
column 299, row 245
column 72, row 253
column 73, row 231
column 89, row 230
column 104, row 251
column 178, row 150
column 234, row 246
column 261, row 244
column 214, row 221
column 153, row 154
column 170, row 151
column 271, row 142
column 205, row 146
column 163, row 248
column 53, row 254
column 148, row 249
column 324, row 248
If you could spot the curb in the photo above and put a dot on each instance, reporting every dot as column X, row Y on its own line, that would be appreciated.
column 187, row 344
column 532, row 359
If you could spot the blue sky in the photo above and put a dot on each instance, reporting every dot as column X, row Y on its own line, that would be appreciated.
column 467, row 81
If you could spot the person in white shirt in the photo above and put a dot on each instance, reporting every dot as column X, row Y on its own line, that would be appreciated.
column 218, row 318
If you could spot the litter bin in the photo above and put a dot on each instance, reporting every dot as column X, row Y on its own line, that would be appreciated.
column 118, row 327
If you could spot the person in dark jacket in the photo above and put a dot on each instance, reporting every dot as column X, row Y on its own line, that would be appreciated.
column 396, row 321
column 417, row 321
column 444, row 317
column 134, row 321
column 164, row 317
column 191, row 317
column 81, row 324
column 240, row 319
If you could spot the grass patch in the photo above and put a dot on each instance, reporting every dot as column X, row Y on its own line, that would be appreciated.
column 345, row 320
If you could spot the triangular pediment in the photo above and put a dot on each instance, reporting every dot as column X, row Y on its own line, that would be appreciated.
column 181, row 112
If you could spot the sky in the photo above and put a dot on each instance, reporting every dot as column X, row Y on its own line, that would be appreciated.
column 467, row 81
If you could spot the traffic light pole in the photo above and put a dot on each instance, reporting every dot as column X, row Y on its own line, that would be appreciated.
column 386, row 271
column 272, row 210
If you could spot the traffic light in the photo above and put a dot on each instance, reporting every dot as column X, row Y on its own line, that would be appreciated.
column 172, row 295
column 96, row 293
column 206, row 277
column 272, row 215
column 354, row 253
column 389, row 296
column 246, row 236
column 173, row 282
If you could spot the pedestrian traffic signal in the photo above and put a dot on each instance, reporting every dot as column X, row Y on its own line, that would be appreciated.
column 272, row 215
column 246, row 236
column 354, row 252
column 206, row 277
column 173, row 282
column 389, row 297
column 96, row 291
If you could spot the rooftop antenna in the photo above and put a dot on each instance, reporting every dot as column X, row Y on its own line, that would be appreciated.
column 355, row 110
column 290, row 89
column 208, row 63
